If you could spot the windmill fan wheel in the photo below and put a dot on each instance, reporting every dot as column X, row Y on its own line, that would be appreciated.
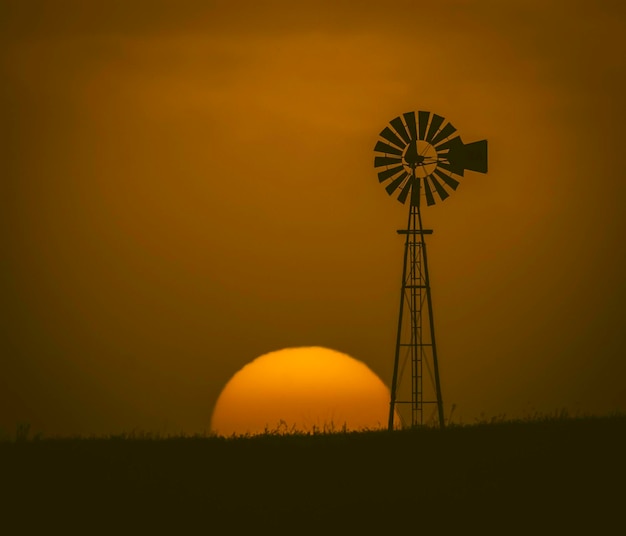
column 422, row 153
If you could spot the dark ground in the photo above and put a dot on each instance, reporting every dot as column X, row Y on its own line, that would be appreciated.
column 550, row 476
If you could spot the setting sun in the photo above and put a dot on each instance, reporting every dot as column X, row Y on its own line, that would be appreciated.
column 301, row 390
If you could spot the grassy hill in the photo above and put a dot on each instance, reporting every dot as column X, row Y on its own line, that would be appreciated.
column 546, row 476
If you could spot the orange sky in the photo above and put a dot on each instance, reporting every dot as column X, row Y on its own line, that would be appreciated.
column 185, row 188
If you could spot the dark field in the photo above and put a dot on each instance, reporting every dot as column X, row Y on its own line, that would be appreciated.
column 548, row 476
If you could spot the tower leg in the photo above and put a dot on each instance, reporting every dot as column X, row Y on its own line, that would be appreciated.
column 431, row 322
column 396, row 361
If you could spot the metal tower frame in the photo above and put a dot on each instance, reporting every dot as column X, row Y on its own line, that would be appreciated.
column 419, row 343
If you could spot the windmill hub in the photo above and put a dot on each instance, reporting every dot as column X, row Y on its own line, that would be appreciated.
column 421, row 157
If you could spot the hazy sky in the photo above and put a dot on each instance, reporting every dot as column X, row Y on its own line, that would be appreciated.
column 187, row 185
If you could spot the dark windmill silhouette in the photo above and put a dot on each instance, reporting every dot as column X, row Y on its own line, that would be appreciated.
column 420, row 157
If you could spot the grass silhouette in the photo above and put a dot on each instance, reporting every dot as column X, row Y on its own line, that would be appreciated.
column 548, row 474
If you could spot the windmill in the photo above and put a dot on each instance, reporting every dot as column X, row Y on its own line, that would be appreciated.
column 420, row 157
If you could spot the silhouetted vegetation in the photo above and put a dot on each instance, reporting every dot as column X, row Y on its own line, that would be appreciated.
column 545, row 475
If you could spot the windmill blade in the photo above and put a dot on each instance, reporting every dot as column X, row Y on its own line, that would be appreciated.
column 406, row 189
column 388, row 173
column 435, row 123
column 386, row 161
column 392, row 186
column 400, row 129
column 391, row 137
column 447, row 145
column 452, row 183
column 409, row 117
column 383, row 147
column 440, row 189
column 430, row 200
column 445, row 132
column 423, row 123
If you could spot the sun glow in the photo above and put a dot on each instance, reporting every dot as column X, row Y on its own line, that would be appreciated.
column 303, row 389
